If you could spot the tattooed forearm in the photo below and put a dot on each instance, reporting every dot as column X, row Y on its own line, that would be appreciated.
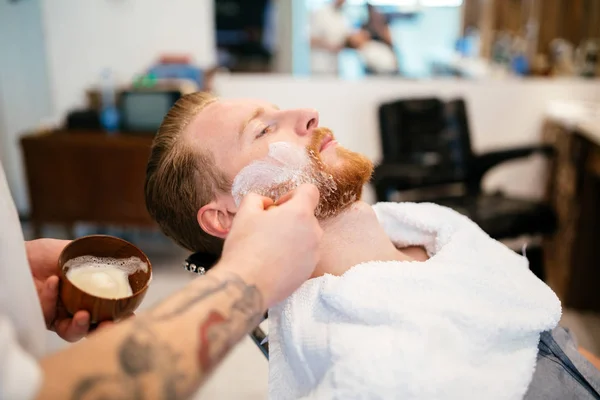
column 142, row 356
column 219, row 332
column 106, row 387
column 151, row 363
column 188, row 299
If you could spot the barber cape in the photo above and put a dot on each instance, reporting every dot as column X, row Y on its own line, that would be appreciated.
column 463, row 325
column 22, row 327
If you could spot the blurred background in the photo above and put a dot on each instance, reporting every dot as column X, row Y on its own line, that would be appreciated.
column 491, row 107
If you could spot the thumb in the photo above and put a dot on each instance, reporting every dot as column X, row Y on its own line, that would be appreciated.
column 253, row 202
column 306, row 195
column 49, row 298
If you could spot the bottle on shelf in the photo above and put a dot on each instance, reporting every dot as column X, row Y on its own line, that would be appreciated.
column 109, row 115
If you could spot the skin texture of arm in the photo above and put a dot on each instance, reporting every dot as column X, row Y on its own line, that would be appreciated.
column 165, row 353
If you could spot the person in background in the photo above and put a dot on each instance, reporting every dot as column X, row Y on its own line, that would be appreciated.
column 329, row 32
column 377, row 50
column 377, row 26
column 373, row 44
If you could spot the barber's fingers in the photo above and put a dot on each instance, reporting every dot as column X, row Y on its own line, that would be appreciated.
column 107, row 324
column 48, row 298
column 284, row 198
column 304, row 196
column 73, row 329
column 253, row 202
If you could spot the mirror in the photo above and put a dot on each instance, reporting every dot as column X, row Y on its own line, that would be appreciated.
column 411, row 39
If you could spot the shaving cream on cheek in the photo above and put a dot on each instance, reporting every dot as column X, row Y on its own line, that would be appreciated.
column 286, row 167
column 284, row 163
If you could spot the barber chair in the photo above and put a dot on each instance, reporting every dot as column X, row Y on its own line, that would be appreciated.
column 200, row 263
column 427, row 144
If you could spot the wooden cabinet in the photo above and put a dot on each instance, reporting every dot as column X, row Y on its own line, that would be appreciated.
column 574, row 191
column 87, row 177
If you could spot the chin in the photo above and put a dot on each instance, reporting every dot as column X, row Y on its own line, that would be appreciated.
column 344, row 158
column 339, row 164
column 332, row 159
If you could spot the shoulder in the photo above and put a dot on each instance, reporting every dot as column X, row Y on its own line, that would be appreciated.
column 427, row 224
column 416, row 212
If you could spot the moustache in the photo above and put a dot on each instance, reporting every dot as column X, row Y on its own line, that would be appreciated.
column 319, row 135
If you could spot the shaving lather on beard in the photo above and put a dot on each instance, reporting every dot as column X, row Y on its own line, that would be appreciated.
column 287, row 166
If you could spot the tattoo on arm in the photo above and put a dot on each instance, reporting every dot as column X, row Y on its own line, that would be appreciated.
column 141, row 356
column 219, row 332
column 189, row 298
column 145, row 359
column 106, row 387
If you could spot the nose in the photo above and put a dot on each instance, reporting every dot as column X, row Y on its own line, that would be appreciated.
column 308, row 120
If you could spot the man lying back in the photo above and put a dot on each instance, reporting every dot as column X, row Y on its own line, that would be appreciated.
column 407, row 301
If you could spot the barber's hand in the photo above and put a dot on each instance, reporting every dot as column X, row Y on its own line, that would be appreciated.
column 275, row 249
column 42, row 255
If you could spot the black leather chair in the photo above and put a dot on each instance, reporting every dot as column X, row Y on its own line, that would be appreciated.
column 427, row 143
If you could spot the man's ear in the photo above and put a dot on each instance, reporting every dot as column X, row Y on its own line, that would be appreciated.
column 215, row 219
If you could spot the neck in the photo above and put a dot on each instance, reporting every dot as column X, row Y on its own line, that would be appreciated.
column 353, row 237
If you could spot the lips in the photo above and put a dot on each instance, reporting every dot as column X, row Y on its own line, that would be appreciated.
column 327, row 142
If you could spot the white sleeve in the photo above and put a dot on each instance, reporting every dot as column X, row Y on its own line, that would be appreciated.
column 316, row 25
column 348, row 27
column 20, row 374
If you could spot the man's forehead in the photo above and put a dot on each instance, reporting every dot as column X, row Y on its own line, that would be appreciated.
column 235, row 108
column 225, row 115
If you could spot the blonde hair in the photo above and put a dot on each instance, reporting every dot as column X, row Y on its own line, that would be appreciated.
column 180, row 180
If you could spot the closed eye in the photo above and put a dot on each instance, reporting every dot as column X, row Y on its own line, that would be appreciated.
column 266, row 130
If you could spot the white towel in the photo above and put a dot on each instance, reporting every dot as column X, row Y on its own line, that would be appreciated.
column 463, row 325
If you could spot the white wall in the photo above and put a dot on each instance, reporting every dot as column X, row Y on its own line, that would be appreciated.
column 24, row 92
column 502, row 113
column 83, row 37
column 51, row 51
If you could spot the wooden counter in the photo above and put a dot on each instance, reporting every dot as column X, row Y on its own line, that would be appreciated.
column 573, row 263
column 86, row 177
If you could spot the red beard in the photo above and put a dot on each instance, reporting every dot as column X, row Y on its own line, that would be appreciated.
column 349, row 176
column 339, row 185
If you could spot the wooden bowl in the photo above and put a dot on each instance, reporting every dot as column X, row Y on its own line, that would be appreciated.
column 102, row 309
